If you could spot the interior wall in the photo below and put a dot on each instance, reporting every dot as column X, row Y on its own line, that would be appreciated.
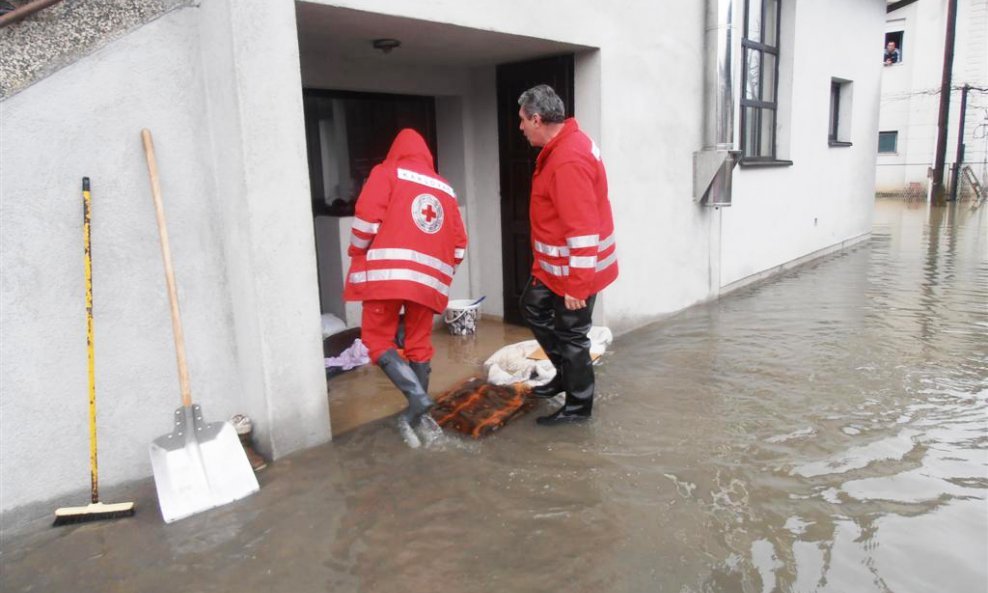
column 484, row 180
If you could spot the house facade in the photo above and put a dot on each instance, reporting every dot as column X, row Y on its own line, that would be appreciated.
column 265, row 115
column 911, row 93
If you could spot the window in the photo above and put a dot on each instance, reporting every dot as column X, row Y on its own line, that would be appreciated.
column 888, row 142
column 839, row 124
column 893, row 48
column 347, row 133
column 759, row 80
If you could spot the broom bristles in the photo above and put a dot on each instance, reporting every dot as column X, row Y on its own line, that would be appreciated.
column 93, row 512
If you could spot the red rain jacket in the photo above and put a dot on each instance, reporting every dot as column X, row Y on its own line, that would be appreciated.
column 572, row 226
column 407, row 236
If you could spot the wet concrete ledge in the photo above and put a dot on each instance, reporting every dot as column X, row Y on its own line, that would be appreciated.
column 795, row 263
column 60, row 35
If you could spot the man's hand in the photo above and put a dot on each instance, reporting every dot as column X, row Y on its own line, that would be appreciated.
column 573, row 303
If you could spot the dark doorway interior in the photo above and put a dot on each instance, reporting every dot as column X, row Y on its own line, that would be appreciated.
column 517, row 163
column 347, row 133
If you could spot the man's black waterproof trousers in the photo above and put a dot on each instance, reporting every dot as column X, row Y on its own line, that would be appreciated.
column 563, row 335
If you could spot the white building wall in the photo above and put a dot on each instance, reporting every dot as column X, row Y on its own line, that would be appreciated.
column 780, row 214
column 251, row 322
column 911, row 90
column 51, row 140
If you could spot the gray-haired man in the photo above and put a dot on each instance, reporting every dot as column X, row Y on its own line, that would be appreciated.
column 572, row 244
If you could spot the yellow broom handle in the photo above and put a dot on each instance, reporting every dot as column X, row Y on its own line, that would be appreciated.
column 159, row 210
column 90, row 348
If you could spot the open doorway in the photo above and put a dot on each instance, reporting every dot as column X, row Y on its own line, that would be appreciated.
column 456, row 68
column 517, row 162
column 451, row 72
column 347, row 133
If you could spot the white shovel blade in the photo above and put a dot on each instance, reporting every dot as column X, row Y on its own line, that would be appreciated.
column 195, row 474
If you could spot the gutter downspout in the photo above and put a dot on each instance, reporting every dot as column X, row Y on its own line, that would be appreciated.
column 714, row 164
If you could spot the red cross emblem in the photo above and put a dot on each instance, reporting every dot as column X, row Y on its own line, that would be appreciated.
column 427, row 212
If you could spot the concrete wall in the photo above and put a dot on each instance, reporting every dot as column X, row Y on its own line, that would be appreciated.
column 782, row 213
column 246, row 284
column 910, row 90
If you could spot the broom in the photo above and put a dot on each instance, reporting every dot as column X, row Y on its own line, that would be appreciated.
column 96, row 510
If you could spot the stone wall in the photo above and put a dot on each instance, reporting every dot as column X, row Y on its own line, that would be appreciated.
column 55, row 37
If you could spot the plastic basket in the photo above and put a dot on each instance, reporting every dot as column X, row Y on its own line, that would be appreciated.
column 461, row 317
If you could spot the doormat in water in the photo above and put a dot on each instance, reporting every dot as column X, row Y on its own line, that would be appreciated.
column 477, row 408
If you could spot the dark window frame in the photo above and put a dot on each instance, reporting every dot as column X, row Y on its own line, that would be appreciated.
column 837, row 88
column 898, row 37
column 895, row 143
column 834, row 111
column 759, row 104
column 310, row 98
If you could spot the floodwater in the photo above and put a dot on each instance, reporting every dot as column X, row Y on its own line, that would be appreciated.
column 823, row 431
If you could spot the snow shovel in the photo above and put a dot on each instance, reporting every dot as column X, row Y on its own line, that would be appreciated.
column 200, row 465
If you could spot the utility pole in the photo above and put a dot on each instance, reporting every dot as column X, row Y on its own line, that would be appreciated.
column 948, row 63
column 955, row 176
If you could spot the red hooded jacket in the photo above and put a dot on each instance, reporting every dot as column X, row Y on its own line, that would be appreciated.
column 407, row 236
column 572, row 226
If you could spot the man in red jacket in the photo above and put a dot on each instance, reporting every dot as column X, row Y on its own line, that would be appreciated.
column 406, row 242
column 573, row 248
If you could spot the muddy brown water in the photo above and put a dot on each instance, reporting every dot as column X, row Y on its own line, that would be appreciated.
column 826, row 430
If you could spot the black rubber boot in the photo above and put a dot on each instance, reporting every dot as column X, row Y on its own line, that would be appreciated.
column 550, row 389
column 566, row 415
column 422, row 370
column 402, row 375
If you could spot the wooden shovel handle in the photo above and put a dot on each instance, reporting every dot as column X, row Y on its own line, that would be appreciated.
column 159, row 210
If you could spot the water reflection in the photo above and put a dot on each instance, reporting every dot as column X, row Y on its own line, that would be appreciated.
column 832, row 425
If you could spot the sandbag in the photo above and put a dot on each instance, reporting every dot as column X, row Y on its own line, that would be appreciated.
column 517, row 362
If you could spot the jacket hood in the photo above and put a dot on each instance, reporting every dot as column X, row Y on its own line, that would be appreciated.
column 410, row 146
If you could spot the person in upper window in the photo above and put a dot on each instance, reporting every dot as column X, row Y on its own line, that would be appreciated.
column 892, row 55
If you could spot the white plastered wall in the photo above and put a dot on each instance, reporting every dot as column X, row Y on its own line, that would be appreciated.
column 250, row 320
column 825, row 198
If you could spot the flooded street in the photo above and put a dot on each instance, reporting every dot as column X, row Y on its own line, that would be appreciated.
column 826, row 430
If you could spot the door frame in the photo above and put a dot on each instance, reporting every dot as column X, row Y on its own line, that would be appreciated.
column 511, row 80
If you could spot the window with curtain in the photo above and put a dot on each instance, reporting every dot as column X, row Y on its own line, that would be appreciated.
column 759, row 79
